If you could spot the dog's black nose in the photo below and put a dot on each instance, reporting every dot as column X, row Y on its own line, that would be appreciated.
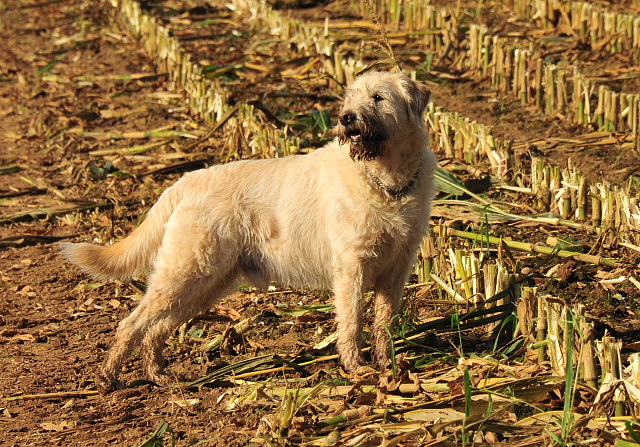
column 346, row 117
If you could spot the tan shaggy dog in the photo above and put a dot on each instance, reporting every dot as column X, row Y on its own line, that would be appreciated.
column 347, row 217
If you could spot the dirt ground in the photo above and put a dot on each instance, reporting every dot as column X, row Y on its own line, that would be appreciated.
column 69, row 76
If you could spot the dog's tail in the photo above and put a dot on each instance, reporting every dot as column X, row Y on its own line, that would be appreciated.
column 131, row 256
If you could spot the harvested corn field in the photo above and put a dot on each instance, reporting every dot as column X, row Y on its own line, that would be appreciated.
column 520, row 324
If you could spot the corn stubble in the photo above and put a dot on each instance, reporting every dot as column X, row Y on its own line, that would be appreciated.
column 542, row 348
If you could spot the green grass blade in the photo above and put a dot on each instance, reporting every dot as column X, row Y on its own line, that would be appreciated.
column 50, row 65
column 155, row 440
column 567, row 415
column 392, row 352
column 632, row 433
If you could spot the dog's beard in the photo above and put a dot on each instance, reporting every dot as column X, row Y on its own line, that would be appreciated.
column 366, row 142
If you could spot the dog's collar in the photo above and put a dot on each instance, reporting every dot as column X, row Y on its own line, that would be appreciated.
column 394, row 194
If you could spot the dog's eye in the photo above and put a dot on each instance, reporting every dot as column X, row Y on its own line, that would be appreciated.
column 377, row 98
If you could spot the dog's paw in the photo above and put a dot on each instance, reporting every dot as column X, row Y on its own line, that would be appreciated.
column 106, row 386
column 352, row 361
column 383, row 364
column 380, row 357
column 159, row 378
column 363, row 370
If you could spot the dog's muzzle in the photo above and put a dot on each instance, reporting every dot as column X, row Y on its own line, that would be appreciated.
column 365, row 137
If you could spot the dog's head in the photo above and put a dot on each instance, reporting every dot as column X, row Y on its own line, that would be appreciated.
column 377, row 108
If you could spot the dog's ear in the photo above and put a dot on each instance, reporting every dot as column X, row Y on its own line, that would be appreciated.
column 418, row 98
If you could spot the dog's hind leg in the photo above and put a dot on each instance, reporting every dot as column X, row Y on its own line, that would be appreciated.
column 195, row 298
column 162, row 310
column 129, row 334
column 195, row 265
column 141, row 325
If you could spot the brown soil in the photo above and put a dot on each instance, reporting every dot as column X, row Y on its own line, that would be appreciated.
column 61, row 63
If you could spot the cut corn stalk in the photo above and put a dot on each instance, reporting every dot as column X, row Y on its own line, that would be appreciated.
column 531, row 248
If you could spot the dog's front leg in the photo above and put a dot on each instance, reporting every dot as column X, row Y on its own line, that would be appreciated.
column 387, row 298
column 348, row 290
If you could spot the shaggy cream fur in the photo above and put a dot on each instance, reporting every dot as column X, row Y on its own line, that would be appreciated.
column 346, row 217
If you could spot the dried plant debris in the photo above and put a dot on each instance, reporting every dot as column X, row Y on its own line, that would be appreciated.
column 519, row 325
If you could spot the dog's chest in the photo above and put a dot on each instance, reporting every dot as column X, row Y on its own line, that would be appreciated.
column 389, row 231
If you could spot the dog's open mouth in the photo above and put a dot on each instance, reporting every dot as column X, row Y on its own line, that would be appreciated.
column 366, row 139
column 355, row 137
